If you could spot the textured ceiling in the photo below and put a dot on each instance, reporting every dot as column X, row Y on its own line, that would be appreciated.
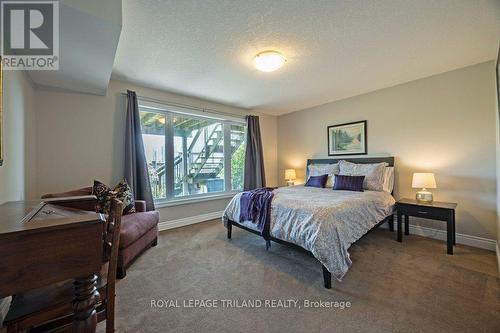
column 335, row 49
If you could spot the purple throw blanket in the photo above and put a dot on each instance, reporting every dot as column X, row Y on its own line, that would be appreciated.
column 255, row 206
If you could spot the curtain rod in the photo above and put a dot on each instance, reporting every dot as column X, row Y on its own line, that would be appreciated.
column 195, row 108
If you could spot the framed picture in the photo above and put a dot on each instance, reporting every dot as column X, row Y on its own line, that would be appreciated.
column 1, row 112
column 347, row 139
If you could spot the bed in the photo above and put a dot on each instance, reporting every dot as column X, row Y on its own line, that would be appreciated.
column 321, row 221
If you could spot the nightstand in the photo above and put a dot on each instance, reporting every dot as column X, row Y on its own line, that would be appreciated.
column 442, row 211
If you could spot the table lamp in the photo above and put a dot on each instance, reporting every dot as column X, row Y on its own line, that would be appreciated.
column 290, row 176
column 423, row 181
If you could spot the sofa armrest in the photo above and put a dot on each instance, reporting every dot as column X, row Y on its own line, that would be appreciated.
column 140, row 206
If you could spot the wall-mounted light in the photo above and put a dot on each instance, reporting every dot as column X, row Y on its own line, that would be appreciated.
column 269, row 61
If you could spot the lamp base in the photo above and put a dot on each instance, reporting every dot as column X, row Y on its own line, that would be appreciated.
column 424, row 196
column 290, row 183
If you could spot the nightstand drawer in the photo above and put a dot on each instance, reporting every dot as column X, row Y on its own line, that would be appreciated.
column 423, row 211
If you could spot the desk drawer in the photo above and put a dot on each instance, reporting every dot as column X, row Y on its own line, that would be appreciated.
column 424, row 212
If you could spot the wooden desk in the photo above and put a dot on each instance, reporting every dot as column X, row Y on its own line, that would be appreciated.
column 56, row 244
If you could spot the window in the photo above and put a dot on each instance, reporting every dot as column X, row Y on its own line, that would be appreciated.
column 153, row 135
column 198, row 156
column 237, row 155
column 192, row 155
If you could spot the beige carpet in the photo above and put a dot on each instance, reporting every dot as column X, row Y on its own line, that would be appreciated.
column 392, row 287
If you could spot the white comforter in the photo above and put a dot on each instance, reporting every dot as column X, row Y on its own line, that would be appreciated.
column 322, row 221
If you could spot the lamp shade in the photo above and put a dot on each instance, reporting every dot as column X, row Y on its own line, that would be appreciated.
column 423, row 180
column 290, row 174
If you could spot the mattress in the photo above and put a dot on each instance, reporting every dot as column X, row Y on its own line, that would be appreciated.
column 322, row 221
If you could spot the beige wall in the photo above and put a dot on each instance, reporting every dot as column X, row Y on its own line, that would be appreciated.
column 441, row 124
column 81, row 137
column 444, row 124
column 16, row 174
column 497, row 125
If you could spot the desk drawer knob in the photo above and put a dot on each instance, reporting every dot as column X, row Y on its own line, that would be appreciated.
column 421, row 212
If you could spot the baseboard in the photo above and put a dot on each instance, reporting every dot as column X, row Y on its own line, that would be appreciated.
column 469, row 240
column 166, row 225
column 474, row 241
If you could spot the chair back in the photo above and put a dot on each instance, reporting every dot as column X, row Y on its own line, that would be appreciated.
column 111, row 244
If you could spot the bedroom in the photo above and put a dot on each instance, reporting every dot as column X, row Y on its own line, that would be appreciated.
column 416, row 81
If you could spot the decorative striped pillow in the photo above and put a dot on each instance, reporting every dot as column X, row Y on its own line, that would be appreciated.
column 349, row 183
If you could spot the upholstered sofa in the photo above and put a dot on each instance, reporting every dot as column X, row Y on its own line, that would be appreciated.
column 139, row 231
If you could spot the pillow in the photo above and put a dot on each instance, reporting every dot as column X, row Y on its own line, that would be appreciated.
column 126, row 196
column 321, row 169
column 374, row 173
column 105, row 194
column 349, row 183
column 317, row 181
column 389, row 179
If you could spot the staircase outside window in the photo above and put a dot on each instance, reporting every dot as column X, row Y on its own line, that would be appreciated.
column 191, row 156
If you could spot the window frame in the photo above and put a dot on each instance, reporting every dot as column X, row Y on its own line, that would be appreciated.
column 169, row 112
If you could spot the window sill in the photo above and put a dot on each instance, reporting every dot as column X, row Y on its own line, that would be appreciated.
column 187, row 201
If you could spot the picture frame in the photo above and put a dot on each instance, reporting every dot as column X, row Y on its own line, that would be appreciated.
column 348, row 139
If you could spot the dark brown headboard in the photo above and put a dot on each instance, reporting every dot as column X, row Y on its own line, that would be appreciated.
column 362, row 160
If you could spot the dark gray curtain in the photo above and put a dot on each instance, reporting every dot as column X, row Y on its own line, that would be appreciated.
column 136, row 167
column 254, row 158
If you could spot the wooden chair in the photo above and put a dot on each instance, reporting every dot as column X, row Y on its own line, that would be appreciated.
column 50, row 309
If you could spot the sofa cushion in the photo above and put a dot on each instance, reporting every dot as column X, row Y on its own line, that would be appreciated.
column 128, row 254
column 134, row 226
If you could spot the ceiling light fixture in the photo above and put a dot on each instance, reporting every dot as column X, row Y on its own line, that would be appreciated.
column 269, row 61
